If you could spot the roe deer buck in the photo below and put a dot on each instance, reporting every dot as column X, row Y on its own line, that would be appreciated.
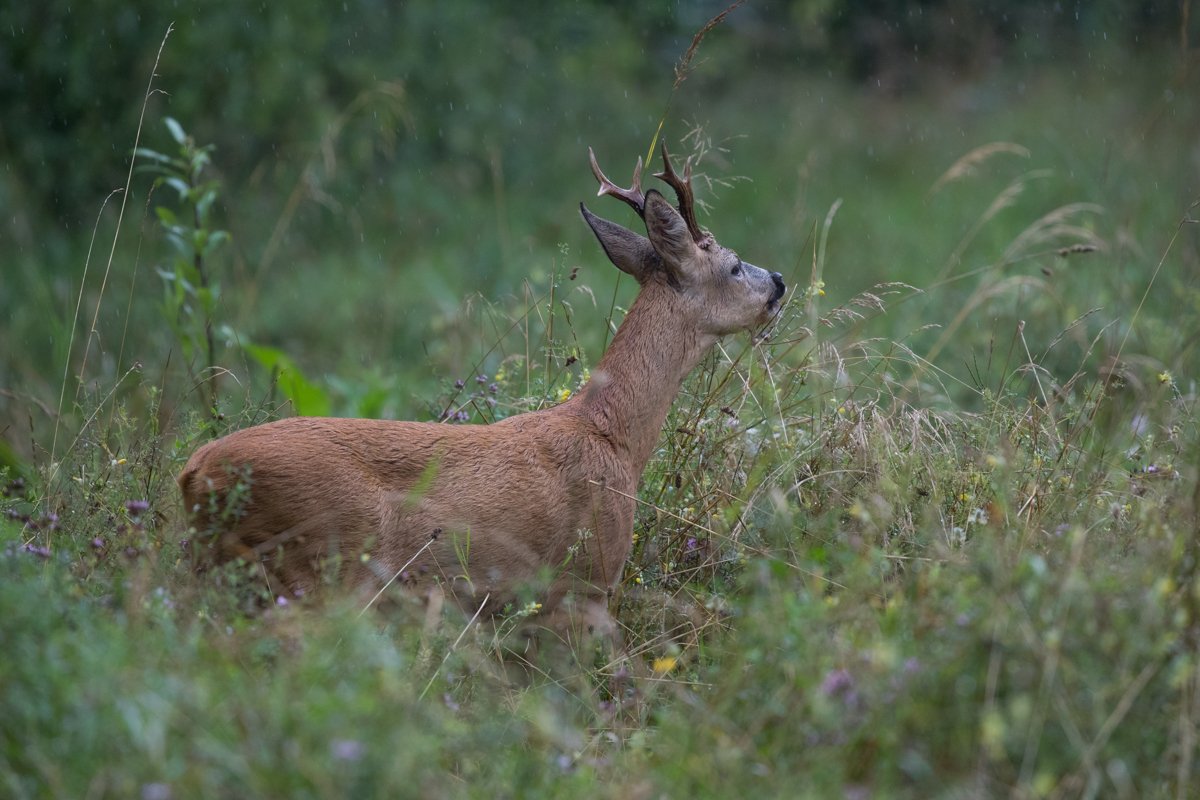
column 494, row 505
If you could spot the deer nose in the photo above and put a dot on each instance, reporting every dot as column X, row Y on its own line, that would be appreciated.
column 777, row 279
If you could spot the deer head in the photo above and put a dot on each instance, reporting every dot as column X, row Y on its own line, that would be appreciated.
column 713, row 288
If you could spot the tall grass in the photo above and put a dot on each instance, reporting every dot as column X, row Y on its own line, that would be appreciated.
column 834, row 588
column 861, row 566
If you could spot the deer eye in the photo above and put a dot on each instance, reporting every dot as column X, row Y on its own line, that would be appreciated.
column 737, row 268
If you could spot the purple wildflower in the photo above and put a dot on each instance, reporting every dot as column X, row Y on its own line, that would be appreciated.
column 836, row 682
column 459, row 384
column 156, row 791
column 449, row 701
column 481, row 378
column 856, row 792
column 136, row 507
column 347, row 749
column 281, row 601
column 37, row 551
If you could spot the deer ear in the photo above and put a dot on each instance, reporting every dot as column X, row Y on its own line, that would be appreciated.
column 668, row 231
column 631, row 252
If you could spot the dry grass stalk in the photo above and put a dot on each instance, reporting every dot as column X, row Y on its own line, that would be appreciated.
column 966, row 165
column 683, row 68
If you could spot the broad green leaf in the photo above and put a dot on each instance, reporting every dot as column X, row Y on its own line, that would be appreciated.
column 205, row 202
column 178, row 185
column 269, row 357
column 370, row 404
column 308, row 399
column 176, row 130
column 153, row 155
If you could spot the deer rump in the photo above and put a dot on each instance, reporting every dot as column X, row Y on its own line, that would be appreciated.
column 485, row 509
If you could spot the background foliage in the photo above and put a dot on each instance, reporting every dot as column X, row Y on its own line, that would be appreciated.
column 928, row 539
column 378, row 163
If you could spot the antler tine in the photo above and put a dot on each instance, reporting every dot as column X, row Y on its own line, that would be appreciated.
column 633, row 195
column 683, row 191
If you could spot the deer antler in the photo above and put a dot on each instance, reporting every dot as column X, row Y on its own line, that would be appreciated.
column 683, row 191
column 633, row 195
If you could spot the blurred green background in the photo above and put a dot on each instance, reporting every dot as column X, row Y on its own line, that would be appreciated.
column 388, row 170
column 901, row 596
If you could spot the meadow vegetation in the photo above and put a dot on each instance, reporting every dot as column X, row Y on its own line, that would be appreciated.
column 931, row 533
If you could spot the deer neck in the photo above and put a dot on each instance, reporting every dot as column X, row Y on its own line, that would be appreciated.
column 633, row 386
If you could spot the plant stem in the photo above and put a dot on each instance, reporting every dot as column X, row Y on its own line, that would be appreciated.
column 208, row 334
